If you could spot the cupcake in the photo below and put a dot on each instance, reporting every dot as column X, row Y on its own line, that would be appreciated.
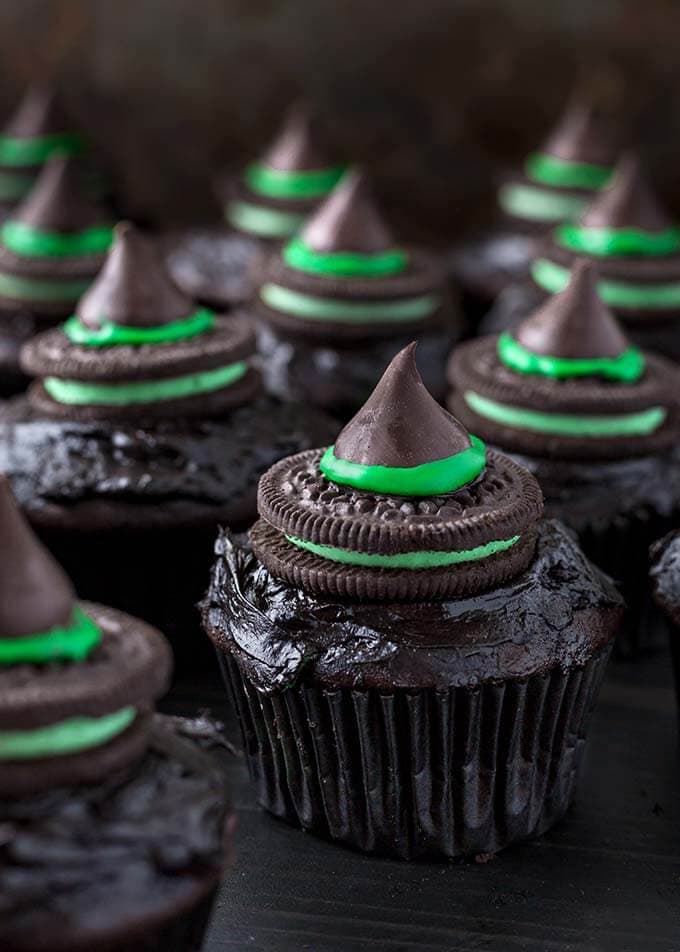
column 554, row 185
column 594, row 418
column 114, row 823
column 340, row 299
column 665, row 576
column 267, row 202
column 636, row 245
column 51, row 247
column 144, row 428
column 412, row 652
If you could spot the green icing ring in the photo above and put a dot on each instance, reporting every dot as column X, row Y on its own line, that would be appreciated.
column 539, row 204
column 627, row 367
column 14, row 186
column 298, row 255
column 65, row 737
column 352, row 312
column 561, row 173
column 38, row 149
column 558, row 424
column 437, row 478
column 31, row 289
column 618, row 242
column 263, row 222
column 200, row 322
column 277, row 183
column 31, row 242
column 404, row 560
column 73, row 643
column 554, row 278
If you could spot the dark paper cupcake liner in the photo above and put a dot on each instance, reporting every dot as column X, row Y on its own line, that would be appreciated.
column 184, row 934
column 419, row 773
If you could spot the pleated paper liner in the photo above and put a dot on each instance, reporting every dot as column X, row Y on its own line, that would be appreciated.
column 184, row 934
column 419, row 773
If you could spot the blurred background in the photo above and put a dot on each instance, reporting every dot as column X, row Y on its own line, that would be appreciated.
column 432, row 95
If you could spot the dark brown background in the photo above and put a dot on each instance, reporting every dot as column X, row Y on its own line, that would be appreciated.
column 428, row 93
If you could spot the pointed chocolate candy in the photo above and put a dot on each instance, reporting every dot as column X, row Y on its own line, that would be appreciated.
column 39, row 114
column 348, row 220
column 57, row 202
column 575, row 323
column 297, row 147
column 628, row 202
column 35, row 593
column 401, row 424
column 582, row 135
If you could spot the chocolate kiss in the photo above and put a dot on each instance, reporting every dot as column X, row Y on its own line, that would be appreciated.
column 574, row 323
column 401, row 424
column 133, row 288
column 582, row 135
column 628, row 202
column 39, row 113
column 35, row 593
column 57, row 202
column 348, row 220
column 297, row 147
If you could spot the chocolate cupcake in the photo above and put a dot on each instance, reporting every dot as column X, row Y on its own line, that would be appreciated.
column 51, row 248
column 114, row 823
column 636, row 246
column 412, row 653
column 268, row 202
column 338, row 301
column 665, row 576
column 554, row 185
column 594, row 418
column 145, row 428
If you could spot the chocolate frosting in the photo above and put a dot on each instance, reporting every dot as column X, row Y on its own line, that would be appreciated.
column 401, row 424
column 35, row 594
column 134, row 288
column 575, row 323
column 582, row 135
column 57, row 202
column 39, row 113
column 628, row 202
column 348, row 220
column 297, row 146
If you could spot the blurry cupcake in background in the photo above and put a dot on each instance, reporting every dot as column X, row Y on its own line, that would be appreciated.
column 337, row 301
column 267, row 202
column 145, row 428
column 594, row 418
column 665, row 577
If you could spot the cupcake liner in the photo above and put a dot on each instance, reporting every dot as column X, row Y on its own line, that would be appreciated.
column 419, row 773
column 183, row 934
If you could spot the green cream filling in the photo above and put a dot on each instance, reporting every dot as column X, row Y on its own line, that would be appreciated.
column 15, row 185
column 80, row 393
column 627, row 367
column 110, row 334
column 618, row 242
column 38, row 149
column 73, row 643
column 554, row 278
column 262, row 222
column 539, row 204
column 561, row 173
column 34, row 289
column 404, row 560
column 32, row 242
column 307, row 183
column 560, row 424
column 359, row 312
column 65, row 737
column 344, row 263
column 428, row 479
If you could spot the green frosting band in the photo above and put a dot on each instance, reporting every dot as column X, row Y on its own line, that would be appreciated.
column 38, row 149
column 73, row 643
column 263, row 222
column 352, row 312
column 110, row 334
column 277, row 183
column 561, row 173
column 31, row 242
column 404, row 560
column 348, row 264
column 65, row 737
column 34, row 289
column 80, row 393
column 559, row 424
column 554, row 278
column 627, row 367
column 428, row 479
column 618, row 242
column 14, row 185
column 539, row 204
